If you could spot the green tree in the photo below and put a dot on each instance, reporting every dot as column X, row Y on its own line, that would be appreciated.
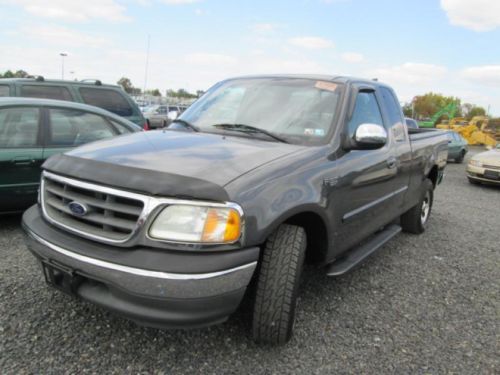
column 8, row 74
column 476, row 111
column 126, row 83
column 21, row 74
column 429, row 104
column 180, row 93
column 154, row 92
column 408, row 110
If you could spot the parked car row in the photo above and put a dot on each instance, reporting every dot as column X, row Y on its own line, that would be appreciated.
column 160, row 116
column 93, row 92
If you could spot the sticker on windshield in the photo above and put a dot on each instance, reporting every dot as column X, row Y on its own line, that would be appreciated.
column 316, row 132
column 323, row 85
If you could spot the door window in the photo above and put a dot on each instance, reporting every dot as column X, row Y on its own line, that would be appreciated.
column 163, row 110
column 4, row 90
column 110, row 100
column 366, row 111
column 46, row 92
column 395, row 114
column 19, row 127
column 122, row 129
column 71, row 128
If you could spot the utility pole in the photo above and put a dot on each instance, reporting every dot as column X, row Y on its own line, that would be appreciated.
column 146, row 70
column 63, row 55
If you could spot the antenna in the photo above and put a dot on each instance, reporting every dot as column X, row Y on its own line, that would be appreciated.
column 146, row 70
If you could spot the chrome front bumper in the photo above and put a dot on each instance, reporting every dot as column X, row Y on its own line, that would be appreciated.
column 145, row 282
column 153, row 287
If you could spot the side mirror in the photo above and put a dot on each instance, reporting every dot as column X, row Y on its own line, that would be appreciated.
column 370, row 136
column 172, row 115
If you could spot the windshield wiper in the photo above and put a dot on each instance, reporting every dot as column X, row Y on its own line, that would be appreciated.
column 249, row 129
column 186, row 124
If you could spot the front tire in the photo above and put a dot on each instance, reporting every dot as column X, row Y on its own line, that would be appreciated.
column 415, row 219
column 473, row 181
column 278, row 284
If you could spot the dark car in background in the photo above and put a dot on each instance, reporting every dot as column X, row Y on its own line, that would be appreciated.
column 93, row 92
column 411, row 123
column 457, row 147
column 31, row 130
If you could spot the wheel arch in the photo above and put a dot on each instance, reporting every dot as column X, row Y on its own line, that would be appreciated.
column 433, row 175
column 315, row 223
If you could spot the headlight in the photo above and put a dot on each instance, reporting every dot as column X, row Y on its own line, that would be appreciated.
column 185, row 223
column 476, row 163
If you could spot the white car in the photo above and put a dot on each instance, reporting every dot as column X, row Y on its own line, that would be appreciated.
column 485, row 167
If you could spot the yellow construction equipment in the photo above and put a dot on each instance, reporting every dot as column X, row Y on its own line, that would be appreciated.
column 475, row 131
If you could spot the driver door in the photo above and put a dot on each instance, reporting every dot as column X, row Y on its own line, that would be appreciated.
column 365, row 200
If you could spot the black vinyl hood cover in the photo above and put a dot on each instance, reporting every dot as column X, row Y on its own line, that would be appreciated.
column 168, row 163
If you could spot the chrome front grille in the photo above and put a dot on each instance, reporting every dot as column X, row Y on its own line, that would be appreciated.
column 108, row 214
column 497, row 168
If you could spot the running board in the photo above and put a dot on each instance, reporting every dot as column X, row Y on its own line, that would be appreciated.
column 358, row 254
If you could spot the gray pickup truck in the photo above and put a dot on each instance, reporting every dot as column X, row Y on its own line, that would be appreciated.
column 173, row 228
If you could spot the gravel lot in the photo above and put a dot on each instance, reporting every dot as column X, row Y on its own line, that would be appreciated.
column 423, row 304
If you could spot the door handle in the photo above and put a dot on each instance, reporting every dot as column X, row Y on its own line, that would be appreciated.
column 391, row 162
column 22, row 161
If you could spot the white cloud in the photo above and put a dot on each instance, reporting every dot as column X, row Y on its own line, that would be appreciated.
column 311, row 42
column 179, row 2
column 67, row 10
column 63, row 36
column 264, row 27
column 352, row 57
column 477, row 15
column 488, row 75
column 411, row 73
column 201, row 58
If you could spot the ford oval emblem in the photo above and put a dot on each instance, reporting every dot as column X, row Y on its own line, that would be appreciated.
column 77, row 208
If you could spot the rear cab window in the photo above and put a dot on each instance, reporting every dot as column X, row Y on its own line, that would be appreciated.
column 108, row 99
column 46, row 92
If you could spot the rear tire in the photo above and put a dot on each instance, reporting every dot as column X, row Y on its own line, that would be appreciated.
column 460, row 158
column 278, row 284
column 416, row 218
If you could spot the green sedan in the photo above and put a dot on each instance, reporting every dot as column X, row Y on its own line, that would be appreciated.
column 31, row 130
column 457, row 147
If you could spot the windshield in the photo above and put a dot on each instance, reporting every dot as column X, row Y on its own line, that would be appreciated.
column 300, row 111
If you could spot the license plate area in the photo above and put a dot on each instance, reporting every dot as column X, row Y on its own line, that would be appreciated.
column 492, row 174
column 61, row 277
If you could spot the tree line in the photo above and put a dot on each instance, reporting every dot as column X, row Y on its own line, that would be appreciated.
column 16, row 74
column 425, row 106
column 127, row 85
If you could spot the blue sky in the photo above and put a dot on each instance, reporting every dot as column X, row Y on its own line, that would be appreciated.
column 447, row 46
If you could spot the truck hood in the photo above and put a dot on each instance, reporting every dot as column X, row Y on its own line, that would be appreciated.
column 169, row 163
